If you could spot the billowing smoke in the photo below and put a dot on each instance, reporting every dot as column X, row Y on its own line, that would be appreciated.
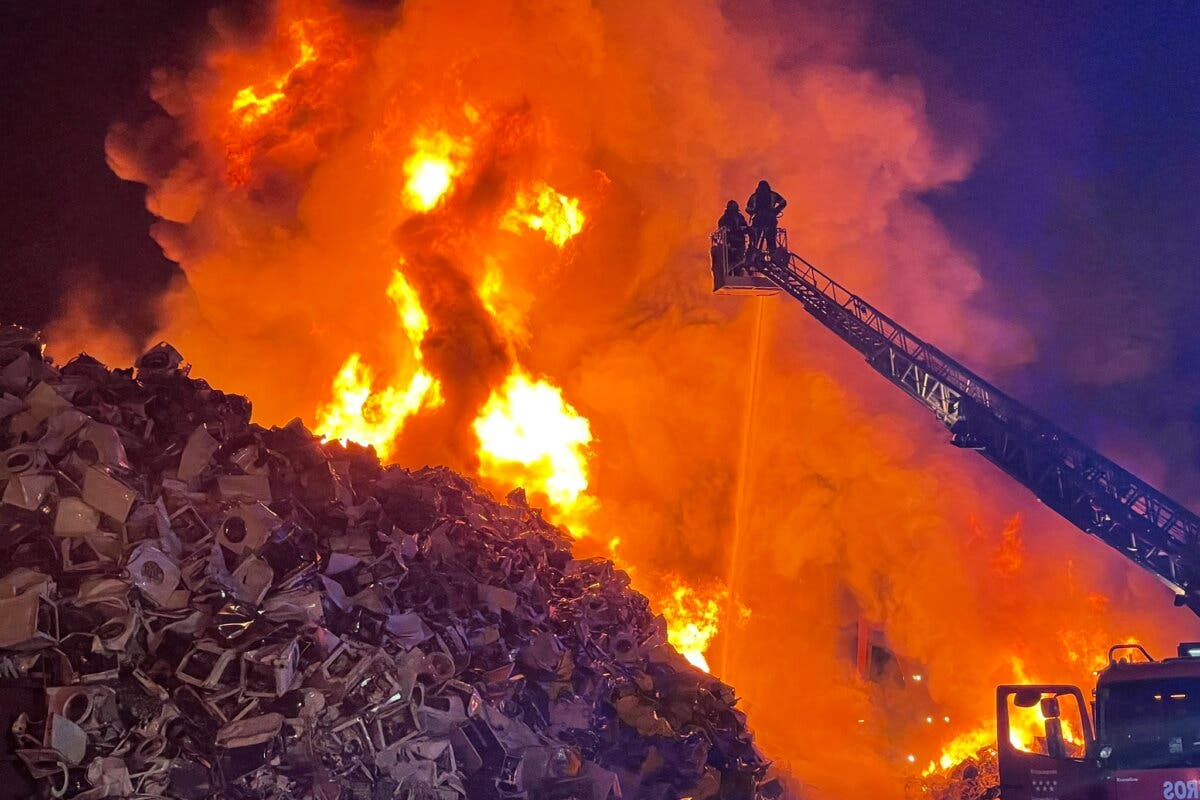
column 278, row 168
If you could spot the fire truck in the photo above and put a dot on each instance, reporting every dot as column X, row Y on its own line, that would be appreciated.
column 1145, row 741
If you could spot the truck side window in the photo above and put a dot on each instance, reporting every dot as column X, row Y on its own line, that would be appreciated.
column 1058, row 735
column 1150, row 724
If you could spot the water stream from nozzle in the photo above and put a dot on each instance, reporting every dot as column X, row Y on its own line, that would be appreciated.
column 729, row 613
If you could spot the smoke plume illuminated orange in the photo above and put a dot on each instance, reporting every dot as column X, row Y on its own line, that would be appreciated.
column 248, row 105
column 541, row 331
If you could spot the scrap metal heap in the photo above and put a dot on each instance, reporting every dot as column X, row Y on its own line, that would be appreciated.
column 193, row 606
column 976, row 777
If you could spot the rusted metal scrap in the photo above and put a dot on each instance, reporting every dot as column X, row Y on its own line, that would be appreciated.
column 194, row 606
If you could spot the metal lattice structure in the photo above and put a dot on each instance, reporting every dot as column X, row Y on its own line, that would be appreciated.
column 1096, row 495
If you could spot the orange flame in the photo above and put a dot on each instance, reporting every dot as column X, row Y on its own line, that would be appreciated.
column 284, row 118
column 249, row 105
column 431, row 170
column 1025, row 727
column 557, row 216
column 529, row 435
column 693, row 620
column 361, row 413
column 961, row 747
column 506, row 305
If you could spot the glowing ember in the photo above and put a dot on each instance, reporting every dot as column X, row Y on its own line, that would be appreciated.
column 431, row 170
column 557, row 216
column 692, row 620
column 530, row 436
column 361, row 413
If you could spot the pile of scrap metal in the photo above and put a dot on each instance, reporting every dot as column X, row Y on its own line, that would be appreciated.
column 975, row 778
column 193, row 606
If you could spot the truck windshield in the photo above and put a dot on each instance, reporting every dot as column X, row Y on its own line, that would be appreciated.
column 1150, row 724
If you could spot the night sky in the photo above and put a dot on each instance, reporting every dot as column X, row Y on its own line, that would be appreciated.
column 1082, row 209
column 71, row 69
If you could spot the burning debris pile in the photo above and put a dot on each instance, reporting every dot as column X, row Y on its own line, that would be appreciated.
column 975, row 778
column 194, row 606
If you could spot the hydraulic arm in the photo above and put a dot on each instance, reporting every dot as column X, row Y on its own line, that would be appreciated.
column 1093, row 493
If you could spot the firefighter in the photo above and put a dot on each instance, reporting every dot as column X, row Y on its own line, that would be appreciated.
column 736, row 231
column 765, row 206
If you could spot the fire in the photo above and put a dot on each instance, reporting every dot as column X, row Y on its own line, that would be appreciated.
column 252, row 106
column 248, row 105
column 529, row 435
column 1025, row 727
column 295, row 159
column 692, row 620
column 506, row 304
column 962, row 747
column 1009, row 556
column 360, row 412
column 431, row 170
column 490, row 289
column 276, row 107
column 557, row 216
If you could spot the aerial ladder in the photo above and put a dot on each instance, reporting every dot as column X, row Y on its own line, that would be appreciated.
column 1147, row 712
column 1091, row 492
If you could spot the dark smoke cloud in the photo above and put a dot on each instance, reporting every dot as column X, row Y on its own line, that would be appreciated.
column 69, row 72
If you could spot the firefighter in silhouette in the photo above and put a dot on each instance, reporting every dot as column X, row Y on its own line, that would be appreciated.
column 765, row 206
column 736, row 232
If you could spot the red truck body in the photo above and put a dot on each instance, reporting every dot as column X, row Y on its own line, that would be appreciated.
column 1145, row 744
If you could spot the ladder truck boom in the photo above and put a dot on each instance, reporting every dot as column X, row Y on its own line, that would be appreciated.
column 1144, row 745
column 1092, row 492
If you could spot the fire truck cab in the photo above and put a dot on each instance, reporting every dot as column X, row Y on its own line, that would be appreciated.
column 1146, row 743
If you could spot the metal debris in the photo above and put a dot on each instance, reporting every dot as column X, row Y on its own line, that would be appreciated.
column 198, row 607
column 975, row 778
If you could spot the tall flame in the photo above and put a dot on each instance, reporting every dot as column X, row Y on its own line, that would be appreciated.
column 693, row 619
column 530, row 436
column 367, row 415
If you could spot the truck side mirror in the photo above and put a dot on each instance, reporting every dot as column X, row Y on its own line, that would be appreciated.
column 1027, row 698
column 1050, row 708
